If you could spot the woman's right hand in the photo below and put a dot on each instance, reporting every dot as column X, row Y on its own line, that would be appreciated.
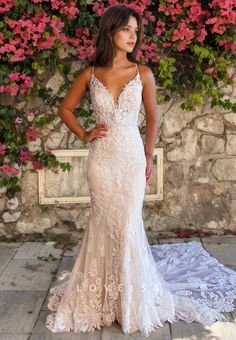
column 96, row 132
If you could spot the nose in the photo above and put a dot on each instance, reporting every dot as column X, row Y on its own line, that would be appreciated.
column 133, row 34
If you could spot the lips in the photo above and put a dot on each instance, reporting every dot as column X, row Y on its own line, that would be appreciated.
column 130, row 43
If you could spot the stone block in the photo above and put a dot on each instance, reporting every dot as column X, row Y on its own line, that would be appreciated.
column 196, row 331
column 188, row 149
column 224, row 169
column 29, row 185
column 9, row 218
column 231, row 145
column 31, row 250
column 54, row 83
column 37, row 221
column 54, row 139
column 212, row 144
column 225, row 254
column 230, row 118
column 171, row 125
column 19, row 311
column 210, row 123
column 27, row 275
column 6, row 254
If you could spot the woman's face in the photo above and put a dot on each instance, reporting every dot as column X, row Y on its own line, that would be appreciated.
column 125, row 39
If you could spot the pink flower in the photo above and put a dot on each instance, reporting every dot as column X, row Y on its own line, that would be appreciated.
column 184, row 233
column 7, row 169
column 37, row 165
column 14, row 76
column 46, row 44
column 202, row 35
column 13, row 90
column 6, row 5
column 2, row 149
column 219, row 25
column 71, row 11
column 25, row 156
column 209, row 70
column 167, row 44
column 18, row 55
column 32, row 134
column 28, row 81
column 1, row 38
column 18, row 120
column 184, row 35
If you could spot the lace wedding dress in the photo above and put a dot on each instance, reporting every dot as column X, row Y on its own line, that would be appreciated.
column 117, row 275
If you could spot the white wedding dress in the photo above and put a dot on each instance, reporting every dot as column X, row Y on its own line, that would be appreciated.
column 117, row 275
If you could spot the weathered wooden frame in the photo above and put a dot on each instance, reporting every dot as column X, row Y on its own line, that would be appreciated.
column 158, row 195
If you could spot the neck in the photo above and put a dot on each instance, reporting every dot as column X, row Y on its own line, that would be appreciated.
column 120, row 58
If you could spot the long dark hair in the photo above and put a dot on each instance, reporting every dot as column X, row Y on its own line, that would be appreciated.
column 112, row 20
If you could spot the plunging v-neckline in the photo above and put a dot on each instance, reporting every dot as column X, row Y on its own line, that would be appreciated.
column 116, row 103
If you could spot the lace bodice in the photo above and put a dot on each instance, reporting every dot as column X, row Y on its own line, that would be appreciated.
column 125, row 111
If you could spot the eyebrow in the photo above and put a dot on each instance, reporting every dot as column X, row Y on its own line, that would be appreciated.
column 131, row 26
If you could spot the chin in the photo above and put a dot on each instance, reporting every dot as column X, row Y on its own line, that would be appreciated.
column 129, row 49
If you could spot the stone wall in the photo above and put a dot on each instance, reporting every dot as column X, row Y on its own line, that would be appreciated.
column 200, row 167
column 199, row 171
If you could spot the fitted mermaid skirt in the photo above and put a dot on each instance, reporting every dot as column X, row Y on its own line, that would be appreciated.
column 117, row 275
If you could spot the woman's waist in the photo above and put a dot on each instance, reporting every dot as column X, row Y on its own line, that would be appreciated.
column 120, row 136
column 121, row 126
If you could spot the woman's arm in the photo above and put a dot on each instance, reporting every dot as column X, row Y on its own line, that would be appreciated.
column 150, row 106
column 70, row 102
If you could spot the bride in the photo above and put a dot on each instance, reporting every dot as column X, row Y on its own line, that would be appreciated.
column 117, row 275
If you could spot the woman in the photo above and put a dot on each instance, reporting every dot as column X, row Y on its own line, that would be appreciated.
column 117, row 276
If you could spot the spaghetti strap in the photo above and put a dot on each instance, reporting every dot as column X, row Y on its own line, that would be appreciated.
column 137, row 69
column 92, row 73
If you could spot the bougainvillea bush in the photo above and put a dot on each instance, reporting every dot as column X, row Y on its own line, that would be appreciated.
column 190, row 45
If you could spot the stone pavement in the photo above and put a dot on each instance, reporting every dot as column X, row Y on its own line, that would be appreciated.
column 25, row 280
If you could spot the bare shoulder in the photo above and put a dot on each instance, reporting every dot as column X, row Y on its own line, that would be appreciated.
column 145, row 73
column 84, row 76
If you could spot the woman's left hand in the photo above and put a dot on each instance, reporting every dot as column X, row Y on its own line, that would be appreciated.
column 149, row 169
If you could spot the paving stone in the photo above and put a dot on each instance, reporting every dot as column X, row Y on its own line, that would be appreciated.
column 6, row 254
column 14, row 336
column 63, row 271
column 232, row 267
column 41, row 332
column 11, row 244
column 72, row 251
column 115, row 333
column 226, row 254
column 66, row 264
column 19, row 310
column 31, row 250
column 27, row 275
column 196, row 331
column 219, row 239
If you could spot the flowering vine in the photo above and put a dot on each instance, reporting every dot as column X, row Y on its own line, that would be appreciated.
column 189, row 44
column 16, row 152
